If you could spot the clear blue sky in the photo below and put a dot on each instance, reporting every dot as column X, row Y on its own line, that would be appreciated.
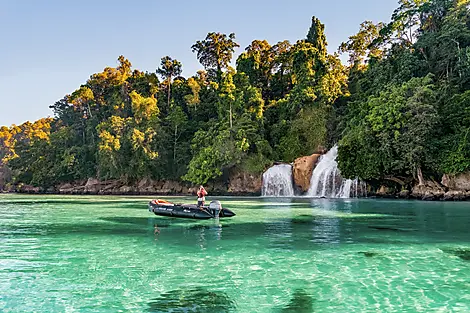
column 49, row 48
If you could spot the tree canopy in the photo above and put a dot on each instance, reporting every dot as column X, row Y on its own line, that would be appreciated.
column 399, row 109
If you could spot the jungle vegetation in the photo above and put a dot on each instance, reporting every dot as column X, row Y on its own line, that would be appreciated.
column 399, row 108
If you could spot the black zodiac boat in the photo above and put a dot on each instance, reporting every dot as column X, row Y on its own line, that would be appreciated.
column 165, row 208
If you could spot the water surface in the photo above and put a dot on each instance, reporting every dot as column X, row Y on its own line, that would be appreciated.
column 101, row 254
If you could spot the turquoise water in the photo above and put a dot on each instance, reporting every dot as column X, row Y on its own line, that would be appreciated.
column 100, row 254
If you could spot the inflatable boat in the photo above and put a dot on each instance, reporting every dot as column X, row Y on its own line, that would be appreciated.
column 165, row 208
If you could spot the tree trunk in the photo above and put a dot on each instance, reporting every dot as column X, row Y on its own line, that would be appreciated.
column 174, row 145
column 83, row 132
column 460, row 58
column 89, row 110
column 230, row 116
column 169, row 91
column 420, row 177
column 396, row 180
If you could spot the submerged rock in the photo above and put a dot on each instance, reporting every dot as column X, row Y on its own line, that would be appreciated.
column 192, row 300
column 369, row 254
column 463, row 253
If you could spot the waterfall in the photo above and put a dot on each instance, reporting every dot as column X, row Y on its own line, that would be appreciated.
column 277, row 181
column 326, row 179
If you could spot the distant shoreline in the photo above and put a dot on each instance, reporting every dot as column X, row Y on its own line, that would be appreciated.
column 248, row 195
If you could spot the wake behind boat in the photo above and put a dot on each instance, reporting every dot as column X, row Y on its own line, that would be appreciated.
column 165, row 208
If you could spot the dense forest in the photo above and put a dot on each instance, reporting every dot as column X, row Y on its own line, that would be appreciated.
column 399, row 110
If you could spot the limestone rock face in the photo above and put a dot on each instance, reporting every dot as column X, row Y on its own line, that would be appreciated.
column 5, row 176
column 404, row 194
column 385, row 191
column 92, row 186
column 28, row 189
column 302, row 171
column 92, row 182
column 429, row 191
column 457, row 182
column 242, row 183
column 457, row 195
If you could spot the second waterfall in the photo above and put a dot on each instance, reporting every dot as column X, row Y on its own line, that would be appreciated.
column 327, row 182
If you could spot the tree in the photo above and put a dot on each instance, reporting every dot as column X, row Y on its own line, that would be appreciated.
column 215, row 52
column 308, row 66
column 362, row 44
column 257, row 62
column 193, row 98
column 394, row 133
column 177, row 120
column 82, row 99
column 219, row 152
column 404, row 23
column 144, row 108
column 168, row 69
column 316, row 36
column 227, row 97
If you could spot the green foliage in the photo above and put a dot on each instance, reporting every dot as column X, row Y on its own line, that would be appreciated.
column 143, row 108
column 399, row 125
column 362, row 45
column 316, row 36
column 215, row 52
column 306, row 133
column 400, row 109
column 215, row 151
column 255, row 164
column 168, row 69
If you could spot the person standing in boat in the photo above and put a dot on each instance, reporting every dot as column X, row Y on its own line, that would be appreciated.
column 201, row 196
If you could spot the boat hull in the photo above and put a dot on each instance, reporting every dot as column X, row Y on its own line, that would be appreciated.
column 187, row 211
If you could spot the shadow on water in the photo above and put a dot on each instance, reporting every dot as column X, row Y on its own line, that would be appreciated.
column 93, row 202
column 161, row 222
column 390, row 228
column 323, row 223
column 192, row 300
column 301, row 302
column 128, row 205
column 306, row 232
column 136, row 221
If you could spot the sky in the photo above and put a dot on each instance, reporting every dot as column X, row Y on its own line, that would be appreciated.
column 49, row 48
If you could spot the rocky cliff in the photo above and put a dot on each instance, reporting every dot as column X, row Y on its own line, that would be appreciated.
column 451, row 188
column 245, row 183
column 459, row 182
column 5, row 177
column 302, row 171
column 239, row 183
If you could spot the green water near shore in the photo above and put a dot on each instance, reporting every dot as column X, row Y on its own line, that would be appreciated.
column 100, row 254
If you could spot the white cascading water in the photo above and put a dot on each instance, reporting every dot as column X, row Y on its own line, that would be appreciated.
column 277, row 181
column 326, row 179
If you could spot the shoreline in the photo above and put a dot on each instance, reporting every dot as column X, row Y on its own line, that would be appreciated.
column 465, row 198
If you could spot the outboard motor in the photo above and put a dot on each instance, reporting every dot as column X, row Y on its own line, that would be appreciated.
column 215, row 207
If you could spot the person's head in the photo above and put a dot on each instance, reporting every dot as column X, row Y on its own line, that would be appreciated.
column 201, row 187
